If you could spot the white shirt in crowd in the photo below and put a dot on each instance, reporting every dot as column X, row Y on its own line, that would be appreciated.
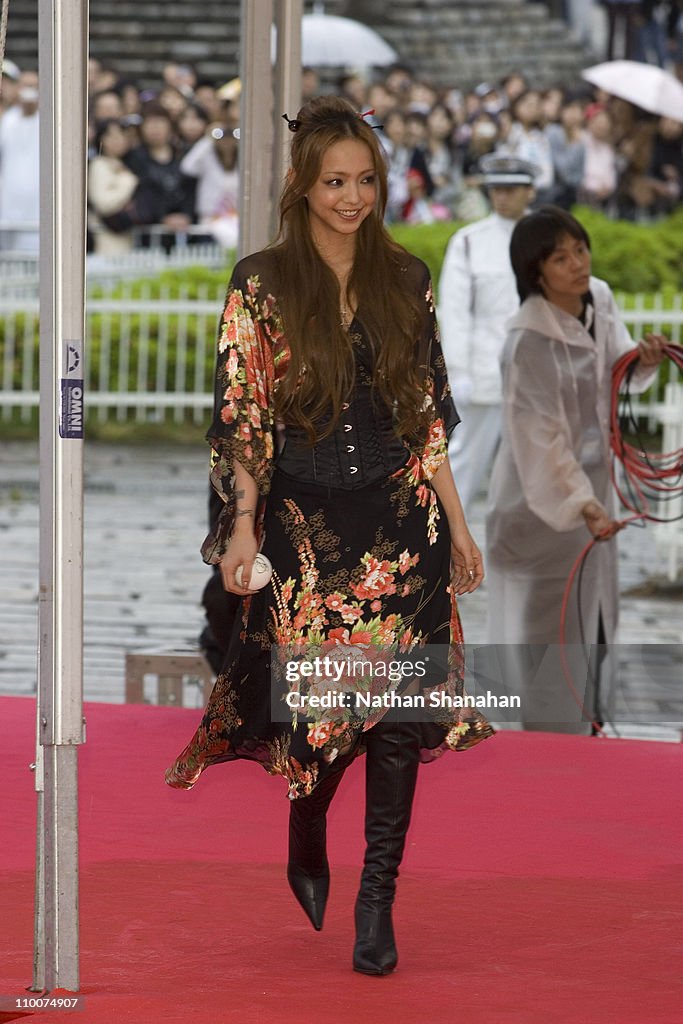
column 600, row 167
column 217, row 190
column 533, row 146
column 19, row 178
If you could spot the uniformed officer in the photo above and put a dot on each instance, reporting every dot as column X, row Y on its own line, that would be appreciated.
column 477, row 295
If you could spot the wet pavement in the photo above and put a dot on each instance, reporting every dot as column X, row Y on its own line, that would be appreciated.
column 145, row 517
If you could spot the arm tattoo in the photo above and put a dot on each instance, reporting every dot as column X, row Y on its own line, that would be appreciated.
column 239, row 494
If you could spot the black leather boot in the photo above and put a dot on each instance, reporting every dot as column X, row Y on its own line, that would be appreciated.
column 391, row 773
column 308, row 871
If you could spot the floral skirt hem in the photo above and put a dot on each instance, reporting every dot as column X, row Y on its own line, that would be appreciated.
column 185, row 772
column 355, row 572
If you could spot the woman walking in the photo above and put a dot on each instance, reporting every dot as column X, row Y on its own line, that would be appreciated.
column 551, row 487
column 329, row 450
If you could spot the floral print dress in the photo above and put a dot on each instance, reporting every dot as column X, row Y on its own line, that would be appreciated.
column 360, row 574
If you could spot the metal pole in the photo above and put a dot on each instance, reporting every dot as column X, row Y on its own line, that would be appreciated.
column 288, row 15
column 63, row 54
column 39, row 920
column 256, row 135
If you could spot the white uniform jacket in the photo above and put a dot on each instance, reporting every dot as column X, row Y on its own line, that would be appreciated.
column 477, row 295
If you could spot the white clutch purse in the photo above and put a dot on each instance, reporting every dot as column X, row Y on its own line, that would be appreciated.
column 261, row 572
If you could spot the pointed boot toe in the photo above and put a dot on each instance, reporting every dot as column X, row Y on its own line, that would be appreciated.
column 308, row 870
column 375, row 949
column 311, row 892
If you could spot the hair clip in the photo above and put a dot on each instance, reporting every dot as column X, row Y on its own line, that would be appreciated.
column 367, row 113
column 292, row 123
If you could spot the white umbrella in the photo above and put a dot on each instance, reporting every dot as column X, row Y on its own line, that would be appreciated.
column 645, row 85
column 332, row 42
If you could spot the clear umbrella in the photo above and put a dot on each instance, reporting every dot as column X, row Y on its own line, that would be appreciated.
column 329, row 41
column 332, row 42
column 645, row 85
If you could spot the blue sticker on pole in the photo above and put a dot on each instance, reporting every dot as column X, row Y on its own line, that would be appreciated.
column 71, row 404
column 71, row 415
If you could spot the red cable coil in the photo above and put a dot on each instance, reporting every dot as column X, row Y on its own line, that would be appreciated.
column 660, row 472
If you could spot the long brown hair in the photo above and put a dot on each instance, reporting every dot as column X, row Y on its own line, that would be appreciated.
column 320, row 374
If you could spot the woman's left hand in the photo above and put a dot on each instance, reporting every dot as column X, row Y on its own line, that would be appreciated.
column 651, row 349
column 468, row 566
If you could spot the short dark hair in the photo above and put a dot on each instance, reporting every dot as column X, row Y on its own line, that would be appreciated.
column 152, row 108
column 534, row 238
column 101, row 129
column 194, row 108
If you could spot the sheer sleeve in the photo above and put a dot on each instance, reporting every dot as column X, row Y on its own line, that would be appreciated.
column 554, row 485
column 619, row 342
column 437, row 392
column 243, row 421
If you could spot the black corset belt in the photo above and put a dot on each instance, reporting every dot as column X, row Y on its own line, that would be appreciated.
column 363, row 449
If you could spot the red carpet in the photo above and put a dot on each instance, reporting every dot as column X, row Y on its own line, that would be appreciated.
column 542, row 883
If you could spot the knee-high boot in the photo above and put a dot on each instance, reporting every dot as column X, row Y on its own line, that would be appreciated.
column 391, row 773
column 308, row 871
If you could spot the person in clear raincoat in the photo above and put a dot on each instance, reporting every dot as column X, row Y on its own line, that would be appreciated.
column 550, row 487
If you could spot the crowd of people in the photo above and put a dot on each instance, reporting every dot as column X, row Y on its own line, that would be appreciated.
column 586, row 146
column 651, row 30
column 162, row 159
column 168, row 156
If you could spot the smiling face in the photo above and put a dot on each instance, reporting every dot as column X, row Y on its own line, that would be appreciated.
column 565, row 273
column 344, row 193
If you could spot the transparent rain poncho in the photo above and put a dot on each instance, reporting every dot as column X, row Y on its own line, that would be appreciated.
column 554, row 458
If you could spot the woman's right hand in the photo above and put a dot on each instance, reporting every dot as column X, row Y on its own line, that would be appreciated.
column 242, row 550
column 468, row 568
column 598, row 522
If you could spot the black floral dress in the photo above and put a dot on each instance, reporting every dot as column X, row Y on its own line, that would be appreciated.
column 357, row 572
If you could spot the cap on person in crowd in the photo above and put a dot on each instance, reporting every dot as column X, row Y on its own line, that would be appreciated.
column 10, row 70
column 490, row 97
column 499, row 171
column 485, row 89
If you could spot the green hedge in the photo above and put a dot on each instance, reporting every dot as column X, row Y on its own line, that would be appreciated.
column 630, row 257
column 193, row 282
column 633, row 258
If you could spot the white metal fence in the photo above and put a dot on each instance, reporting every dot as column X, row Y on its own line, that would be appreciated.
column 150, row 356
column 150, row 348
column 19, row 271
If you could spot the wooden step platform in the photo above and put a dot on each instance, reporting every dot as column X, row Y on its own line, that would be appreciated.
column 173, row 669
